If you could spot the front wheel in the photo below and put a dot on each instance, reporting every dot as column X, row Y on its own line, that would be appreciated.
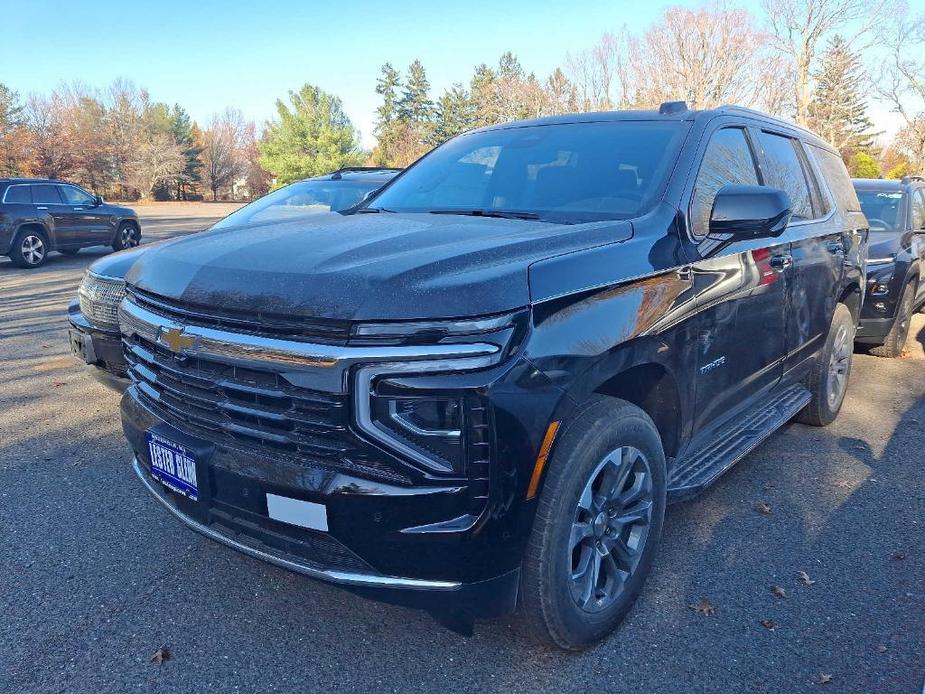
column 597, row 525
column 828, row 379
column 127, row 236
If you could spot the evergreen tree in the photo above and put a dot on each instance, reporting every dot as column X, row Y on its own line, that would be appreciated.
column 415, row 105
column 838, row 110
column 387, row 129
column 862, row 165
column 455, row 113
column 484, row 95
column 181, row 129
column 311, row 138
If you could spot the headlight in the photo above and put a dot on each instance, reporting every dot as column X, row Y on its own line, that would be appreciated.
column 100, row 298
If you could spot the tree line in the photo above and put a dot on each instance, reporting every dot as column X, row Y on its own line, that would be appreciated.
column 820, row 63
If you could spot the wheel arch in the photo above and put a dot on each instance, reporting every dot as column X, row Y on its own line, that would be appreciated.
column 851, row 297
column 40, row 227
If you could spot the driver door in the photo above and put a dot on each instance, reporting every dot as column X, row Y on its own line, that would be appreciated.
column 91, row 226
column 741, row 292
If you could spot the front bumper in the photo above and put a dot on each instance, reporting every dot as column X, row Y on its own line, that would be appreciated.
column 99, row 348
column 368, row 548
column 873, row 331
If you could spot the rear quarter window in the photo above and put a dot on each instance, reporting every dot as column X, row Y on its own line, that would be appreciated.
column 836, row 179
column 18, row 194
column 784, row 170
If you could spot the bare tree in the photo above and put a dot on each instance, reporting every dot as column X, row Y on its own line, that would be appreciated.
column 222, row 158
column 158, row 160
column 51, row 150
column 798, row 27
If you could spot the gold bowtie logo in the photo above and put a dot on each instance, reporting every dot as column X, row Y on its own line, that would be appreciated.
column 176, row 340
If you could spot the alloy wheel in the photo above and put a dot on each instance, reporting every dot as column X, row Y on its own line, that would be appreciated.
column 610, row 528
column 33, row 249
column 129, row 237
column 839, row 361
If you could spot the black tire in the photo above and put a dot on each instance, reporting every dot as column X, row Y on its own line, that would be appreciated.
column 128, row 235
column 554, row 607
column 69, row 251
column 30, row 248
column 896, row 339
column 828, row 378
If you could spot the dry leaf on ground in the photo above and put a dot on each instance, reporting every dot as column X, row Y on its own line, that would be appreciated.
column 768, row 624
column 778, row 592
column 161, row 655
column 823, row 679
column 805, row 579
column 762, row 507
column 704, row 607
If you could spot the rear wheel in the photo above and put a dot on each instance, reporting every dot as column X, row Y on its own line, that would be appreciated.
column 29, row 248
column 597, row 525
column 828, row 379
column 896, row 339
column 127, row 236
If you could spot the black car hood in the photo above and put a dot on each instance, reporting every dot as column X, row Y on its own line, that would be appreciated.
column 883, row 244
column 366, row 266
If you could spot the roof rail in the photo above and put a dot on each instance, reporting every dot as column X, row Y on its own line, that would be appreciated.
column 669, row 108
column 910, row 179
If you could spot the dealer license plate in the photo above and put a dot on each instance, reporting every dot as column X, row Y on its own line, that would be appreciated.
column 173, row 465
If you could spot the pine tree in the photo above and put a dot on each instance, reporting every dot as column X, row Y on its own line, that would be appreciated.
column 455, row 113
column 387, row 128
column 415, row 105
column 181, row 128
column 838, row 110
column 484, row 94
column 862, row 165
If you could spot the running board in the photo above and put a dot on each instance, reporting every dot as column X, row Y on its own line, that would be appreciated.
column 694, row 473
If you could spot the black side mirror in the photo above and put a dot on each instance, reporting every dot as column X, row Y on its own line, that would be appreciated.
column 750, row 212
column 97, row 200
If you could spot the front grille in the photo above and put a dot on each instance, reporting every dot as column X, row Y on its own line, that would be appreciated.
column 99, row 300
column 271, row 324
column 251, row 410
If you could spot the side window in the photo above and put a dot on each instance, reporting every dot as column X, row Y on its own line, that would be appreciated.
column 918, row 210
column 837, row 179
column 45, row 195
column 727, row 160
column 75, row 196
column 784, row 170
column 20, row 194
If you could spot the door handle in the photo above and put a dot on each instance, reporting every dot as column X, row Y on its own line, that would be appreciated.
column 779, row 263
column 41, row 207
column 78, row 209
column 835, row 247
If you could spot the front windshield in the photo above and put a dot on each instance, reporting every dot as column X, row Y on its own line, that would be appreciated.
column 881, row 207
column 299, row 200
column 572, row 172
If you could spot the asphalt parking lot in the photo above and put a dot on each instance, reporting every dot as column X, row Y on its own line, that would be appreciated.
column 95, row 576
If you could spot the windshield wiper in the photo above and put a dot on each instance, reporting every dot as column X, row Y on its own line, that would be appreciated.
column 502, row 214
column 373, row 210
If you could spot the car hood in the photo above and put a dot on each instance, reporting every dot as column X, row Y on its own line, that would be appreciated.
column 359, row 267
column 883, row 244
column 116, row 265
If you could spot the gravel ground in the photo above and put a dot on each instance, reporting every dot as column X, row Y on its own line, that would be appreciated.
column 95, row 576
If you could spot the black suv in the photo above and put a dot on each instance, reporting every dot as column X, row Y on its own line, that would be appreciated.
column 39, row 215
column 93, row 316
column 481, row 389
column 895, row 286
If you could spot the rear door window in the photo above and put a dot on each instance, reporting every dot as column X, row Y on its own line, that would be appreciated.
column 727, row 161
column 46, row 194
column 784, row 170
column 918, row 210
column 20, row 194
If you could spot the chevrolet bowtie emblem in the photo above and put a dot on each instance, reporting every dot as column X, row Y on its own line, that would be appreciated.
column 176, row 340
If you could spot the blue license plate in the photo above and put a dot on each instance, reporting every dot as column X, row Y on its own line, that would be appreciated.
column 173, row 465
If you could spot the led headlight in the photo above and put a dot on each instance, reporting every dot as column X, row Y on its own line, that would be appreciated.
column 100, row 298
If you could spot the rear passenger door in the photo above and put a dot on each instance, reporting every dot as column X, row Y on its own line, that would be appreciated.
column 47, row 200
column 741, row 291
column 818, row 245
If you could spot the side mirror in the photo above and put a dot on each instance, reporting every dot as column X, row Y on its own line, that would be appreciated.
column 97, row 200
column 750, row 212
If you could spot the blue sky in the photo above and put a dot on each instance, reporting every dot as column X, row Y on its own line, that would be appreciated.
column 207, row 55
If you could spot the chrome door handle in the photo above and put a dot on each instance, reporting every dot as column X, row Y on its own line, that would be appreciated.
column 41, row 208
column 78, row 209
column 779, row 263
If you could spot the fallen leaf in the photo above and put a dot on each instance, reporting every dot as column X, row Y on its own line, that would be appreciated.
column 768, row 624
column 58, row 384
column 762, row 507
column 823, row 679
column 898, row 556
column 778, row 592
column 704, row 607
column 805, row 579
column 161, row 655
column 881, row 649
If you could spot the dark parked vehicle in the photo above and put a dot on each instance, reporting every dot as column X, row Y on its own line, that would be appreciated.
column 482, row 388
column 93, row 315
column 39, row 215
column 895, row 286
